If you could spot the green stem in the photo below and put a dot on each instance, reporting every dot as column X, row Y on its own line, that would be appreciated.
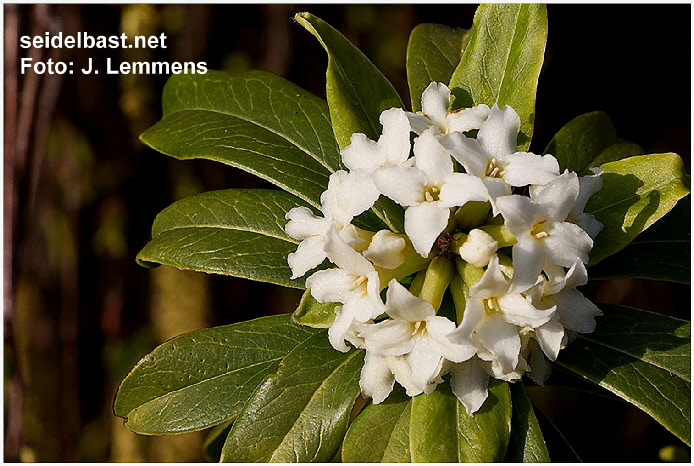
column 438, row 277
column 500, row 234
column 460, row 295
column 472, row 214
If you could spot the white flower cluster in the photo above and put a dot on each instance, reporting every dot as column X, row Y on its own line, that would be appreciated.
column 512, row 256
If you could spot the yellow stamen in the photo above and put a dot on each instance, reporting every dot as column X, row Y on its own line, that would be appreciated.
column 359, row 281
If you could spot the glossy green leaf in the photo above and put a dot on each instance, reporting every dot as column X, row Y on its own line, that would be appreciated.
column 433, row 52
column 214, row 442
column 380, row 432
column 441, row 430
column 357, row 92
column 644, row 358
column 314, row 314
column 527, row 444
column 588, row 141
column 636, row 192
column 501, row 63
column 255, row 121
column 203, row 378
column 231, row 232
column 300, row 413
column 662, row 252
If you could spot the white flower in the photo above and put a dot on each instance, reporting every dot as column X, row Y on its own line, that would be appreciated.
column 387, row 250
column 415, row 333
column 469, row 383
column 312, row 230
column 436, row 99
column 479, row 248
column 491, row 320
column 494, row 158
column 542, row 234
column 428, row 189
column 588, row 185
column 355, row 284
column 363, row 157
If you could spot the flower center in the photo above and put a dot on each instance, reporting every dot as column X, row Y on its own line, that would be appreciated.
column 493, row 170
column 359, row 282
column 432, row 194
column 538, row 230
column 418, row 327
column 491, row 305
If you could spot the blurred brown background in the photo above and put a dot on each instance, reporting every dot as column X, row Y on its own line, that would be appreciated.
column 81, row 192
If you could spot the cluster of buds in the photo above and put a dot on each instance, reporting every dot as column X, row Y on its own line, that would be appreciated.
column 483, row 281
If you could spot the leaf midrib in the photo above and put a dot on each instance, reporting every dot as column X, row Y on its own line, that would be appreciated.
column 228, row 228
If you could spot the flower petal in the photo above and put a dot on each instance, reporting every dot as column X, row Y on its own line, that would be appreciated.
column 303, row 223
column 386, row 250
column 519, row 311
column 438, row 329
column 460, row 188
column 403, row 305
column 550, row 336
column 501, row 339
column 556, row 200
column 499, row 133
column 425, row 364
column 394, row 143
column 376, row 379
column 361, row 154
column 519, row 213
column 576, row 312
column 469, row 383
column 308, row 255
column 528, row 258
column 468, row 152
column 435, row 101
column 467, row 119
column 566, row 244
column 404, row 185
column 342, row 255
column 424, row 223
column 479, row 248
column 339, row 329
column 492, row 284
column 331, row 286
column 388, row 338
column 418, row 122
column 432, row 158
column 524, row 168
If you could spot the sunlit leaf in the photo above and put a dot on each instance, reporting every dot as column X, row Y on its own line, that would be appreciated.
column 203, row 378
column 588, row 141
column 662, row 252
column 255, row 121
column 642, row 357
column 636, row 192
column 501, row 63
column 232, row 232
column 433, row 52
column 300, row 413
column 314, row 314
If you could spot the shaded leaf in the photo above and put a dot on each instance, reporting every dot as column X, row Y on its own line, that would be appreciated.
column 433, row 52
column 527, row 444
column 639, row 356
column 300, row 413
column 636, row 192
column 314, row 314
column 560, row 451
column 662, row 252
column 231, row 232
column 501, row 63
column 588, row 141
column 380, row 432
column 442, row 431
column 203, row 378
column 212, row 446
column 255, row 121
column 357, row 92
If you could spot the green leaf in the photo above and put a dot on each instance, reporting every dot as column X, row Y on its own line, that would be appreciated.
column 356, row 90
column 527, row 444
column 255, row 121
column 232, row 232
column 203, row 378
column 636, row 192
column 644, row 358
column 662, row 252
column 314, row 314
column 441, row 430
column 300, row 413
column 433, row 52
column 380, row 432
column 213, row 444
column 501, row 63
column 587, row 141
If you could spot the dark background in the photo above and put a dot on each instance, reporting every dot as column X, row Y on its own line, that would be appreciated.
column 81, row 192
